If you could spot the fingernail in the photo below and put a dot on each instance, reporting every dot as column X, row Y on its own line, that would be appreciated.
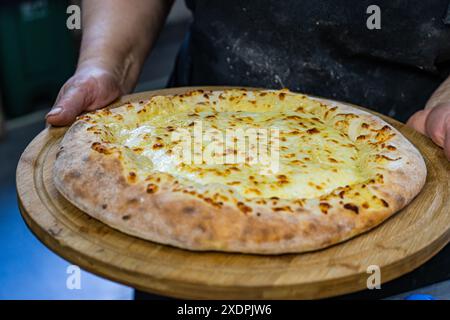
column 54, row 111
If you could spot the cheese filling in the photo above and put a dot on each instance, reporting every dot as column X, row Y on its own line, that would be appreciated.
column 276, row 149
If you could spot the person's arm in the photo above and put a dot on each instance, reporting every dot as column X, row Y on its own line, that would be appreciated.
column 434, row 120
column 117, row 36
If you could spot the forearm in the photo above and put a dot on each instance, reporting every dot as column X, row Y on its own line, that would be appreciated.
column 118, row 34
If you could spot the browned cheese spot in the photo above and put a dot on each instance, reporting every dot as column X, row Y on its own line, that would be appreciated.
column 132, row 176
column 361, row 137
column 313, row 131
column 391, row 148
column 285, row 208
column 158, row 145
column 352, row 207
column 382, row 157
column 324, row 207
column 138, row 149
column 152, row 188
column 97, row 146
column 244, row 208
column 293, row 117
column 118, row 117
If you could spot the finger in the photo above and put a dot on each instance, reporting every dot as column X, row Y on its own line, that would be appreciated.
column 435, row 124
column 447, row 141
column 68, row 106
column 418, row 120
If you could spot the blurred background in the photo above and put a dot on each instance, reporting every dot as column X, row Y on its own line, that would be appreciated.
column 37, row 54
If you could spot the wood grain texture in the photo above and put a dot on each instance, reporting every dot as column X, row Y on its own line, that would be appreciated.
column 399, row 245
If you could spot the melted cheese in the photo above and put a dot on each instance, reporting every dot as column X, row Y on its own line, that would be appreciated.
column 314, row 154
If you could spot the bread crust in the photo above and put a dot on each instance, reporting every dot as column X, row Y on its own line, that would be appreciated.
column 97, row 183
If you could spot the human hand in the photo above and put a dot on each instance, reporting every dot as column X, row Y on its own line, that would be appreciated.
column 91, row 87
column 435, row 123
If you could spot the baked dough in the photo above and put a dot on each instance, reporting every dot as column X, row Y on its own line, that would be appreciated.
column 341, row 172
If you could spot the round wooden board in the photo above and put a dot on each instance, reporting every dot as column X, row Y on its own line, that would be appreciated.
column 398, row 246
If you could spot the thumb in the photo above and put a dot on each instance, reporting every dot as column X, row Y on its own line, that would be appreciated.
column 418, row 120
column 68, row 106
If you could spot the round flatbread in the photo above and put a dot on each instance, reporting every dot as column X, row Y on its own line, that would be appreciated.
column 253, row 171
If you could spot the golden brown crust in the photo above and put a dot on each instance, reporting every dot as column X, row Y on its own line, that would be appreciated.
column 94, row 179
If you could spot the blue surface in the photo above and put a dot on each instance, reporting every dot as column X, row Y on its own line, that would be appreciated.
column 418, row 296
column 28, row 270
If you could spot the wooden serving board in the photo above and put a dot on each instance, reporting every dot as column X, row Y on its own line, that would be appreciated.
column 399, row 245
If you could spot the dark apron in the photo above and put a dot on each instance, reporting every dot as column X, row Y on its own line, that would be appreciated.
column 322, row 48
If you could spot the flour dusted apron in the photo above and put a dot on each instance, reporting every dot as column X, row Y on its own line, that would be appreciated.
column 322, row 48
